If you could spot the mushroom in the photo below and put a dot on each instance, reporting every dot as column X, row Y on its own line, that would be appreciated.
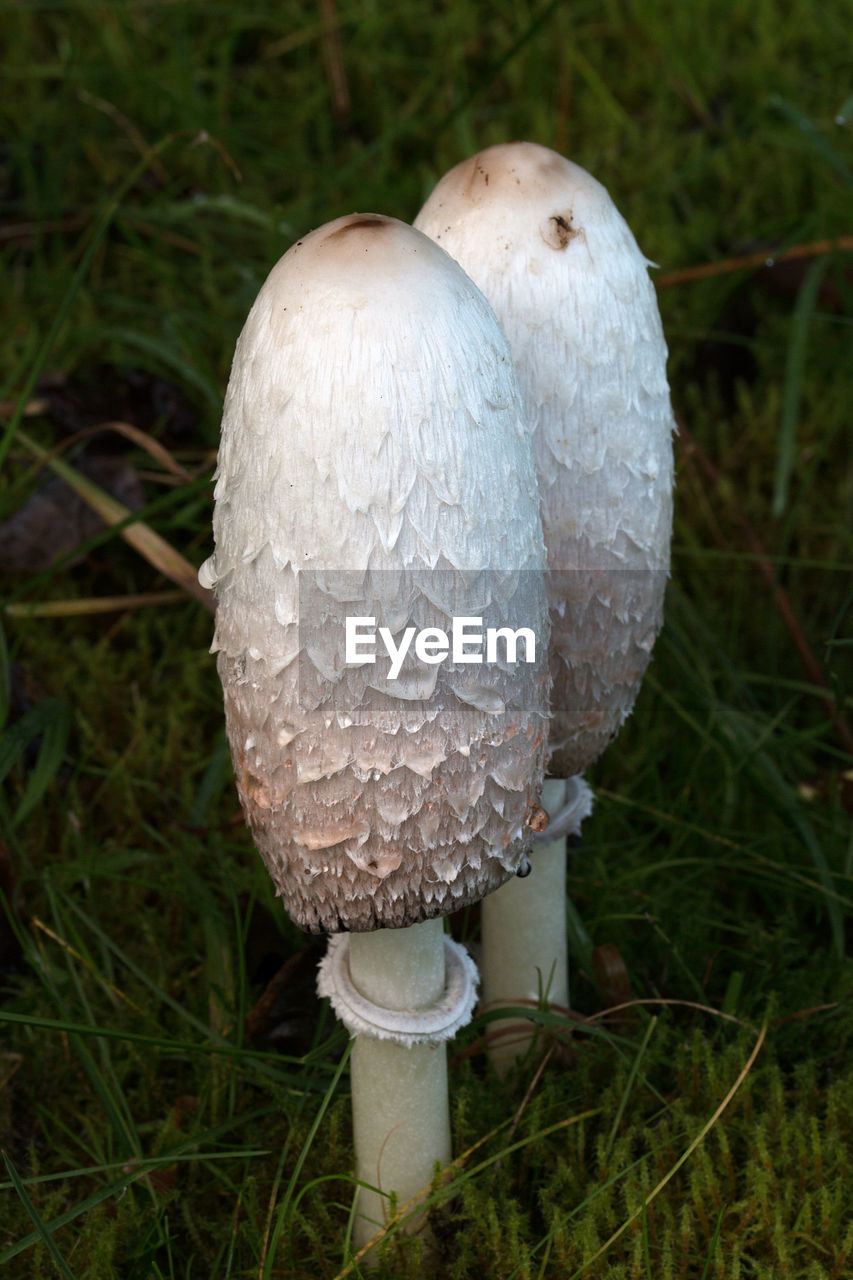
column 377, row 514
column 547, row 246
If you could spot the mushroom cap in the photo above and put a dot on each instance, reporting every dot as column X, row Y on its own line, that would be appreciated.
column 547, row 246
column 374, row 462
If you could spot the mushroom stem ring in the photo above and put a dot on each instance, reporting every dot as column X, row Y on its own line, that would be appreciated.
column 432, row 1025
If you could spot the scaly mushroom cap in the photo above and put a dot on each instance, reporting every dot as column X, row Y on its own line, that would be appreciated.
column 374, row 462
column 549, row 249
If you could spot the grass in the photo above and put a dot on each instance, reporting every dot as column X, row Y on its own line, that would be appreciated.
column 158, row 158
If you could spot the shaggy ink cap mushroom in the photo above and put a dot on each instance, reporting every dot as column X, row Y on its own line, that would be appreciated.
column 547, row 246
column 375, row 463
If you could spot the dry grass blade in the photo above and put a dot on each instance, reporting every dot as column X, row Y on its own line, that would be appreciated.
column 334, row 62
column 746, row 261
column 32, row 409
column 151, row 446
column 92, row 604
column 155, row 450
column 129, row 129
column 531, row 1088
column 72, row 951
column 143, row 539
column 660, row 1000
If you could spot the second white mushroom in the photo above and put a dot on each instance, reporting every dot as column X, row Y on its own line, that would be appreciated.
column 547, row 246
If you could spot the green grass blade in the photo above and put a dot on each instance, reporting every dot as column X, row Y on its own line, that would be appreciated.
column 167, row 355
column 284, row 1206
column 5, row 678
column 51, row 754
column 141, row 976
column 101, row 227
column 42, row 1232
column 50, row 720
column 629, row 1085
column 712, row 1248
column 119, row 1185
column 817, row 141
column 794, row 371
column 212, row 781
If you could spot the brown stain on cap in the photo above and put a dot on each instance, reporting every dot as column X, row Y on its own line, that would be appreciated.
column 477, row 173
column 361, row 222
column 559, row 230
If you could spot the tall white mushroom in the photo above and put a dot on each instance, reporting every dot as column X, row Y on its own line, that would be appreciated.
column 374, row 485
column 547, row 246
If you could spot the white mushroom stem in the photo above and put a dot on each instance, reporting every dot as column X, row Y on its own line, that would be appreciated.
column 525, row 951
column 402, row 993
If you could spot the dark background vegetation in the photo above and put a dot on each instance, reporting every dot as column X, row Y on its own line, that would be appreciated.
column 156, row 158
